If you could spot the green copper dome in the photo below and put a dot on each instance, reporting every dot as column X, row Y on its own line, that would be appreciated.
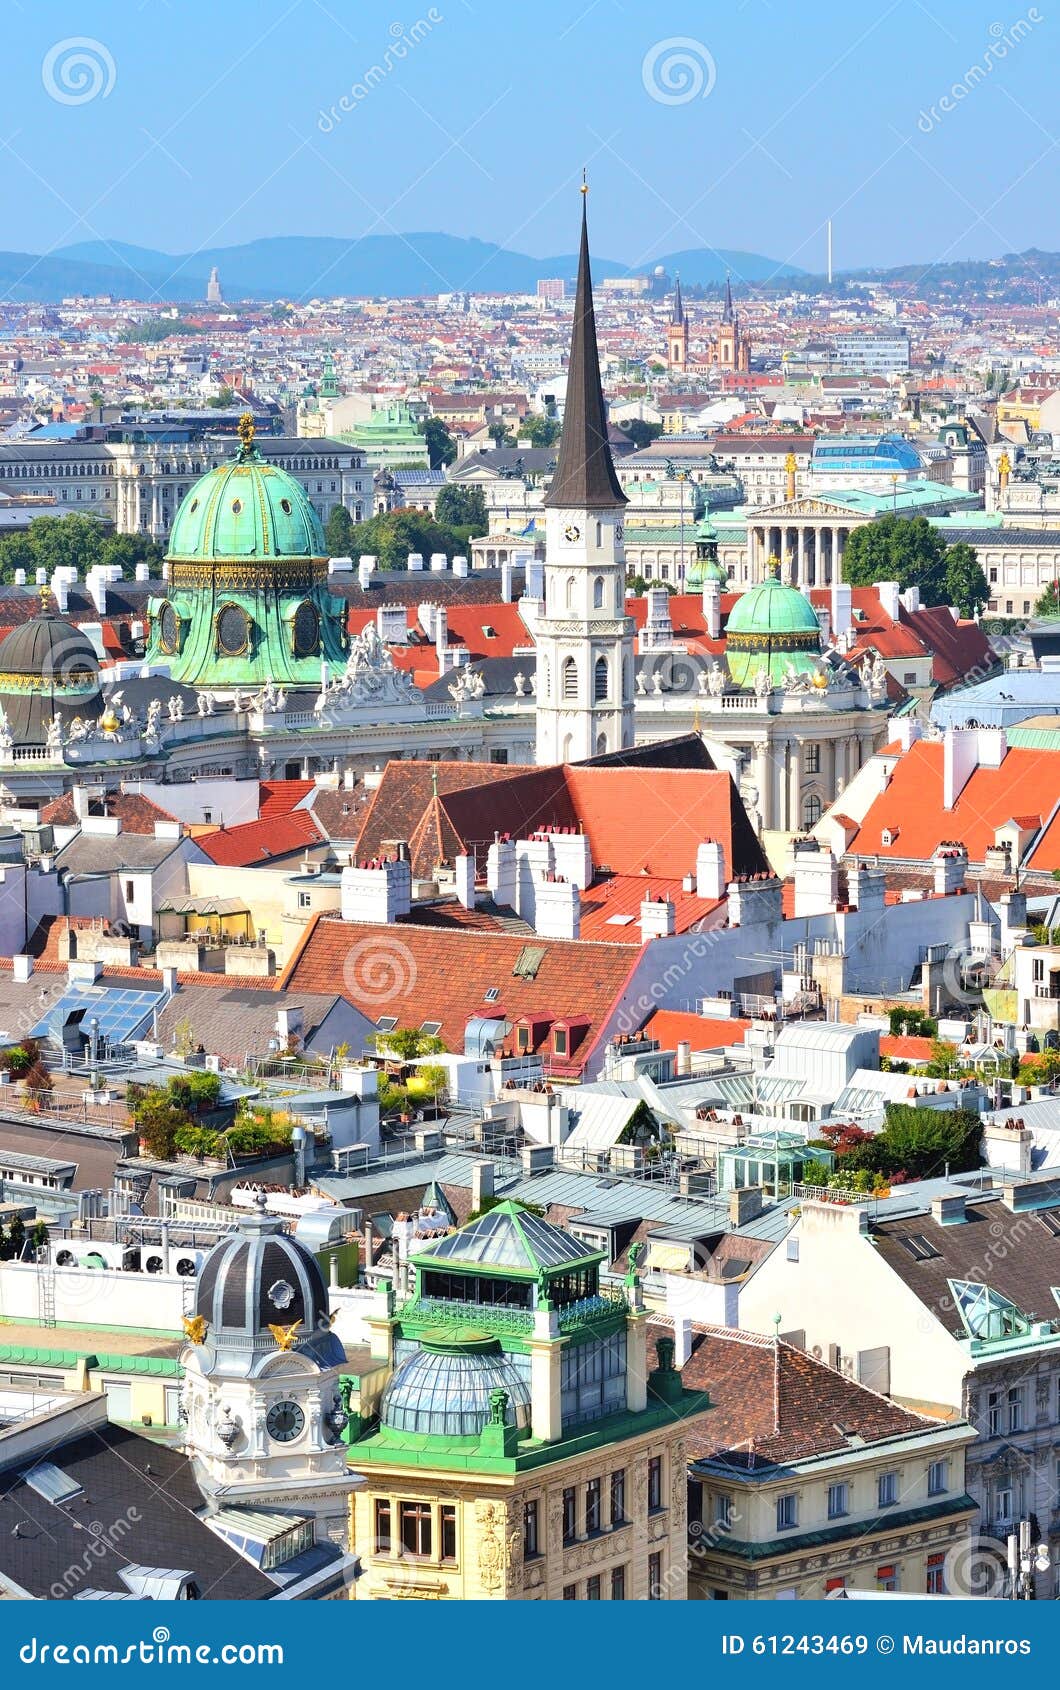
column 771, row 627
column 247, row 598
column 246, row 508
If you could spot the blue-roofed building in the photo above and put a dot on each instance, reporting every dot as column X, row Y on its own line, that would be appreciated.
column 869, row 461
column 1002, row 701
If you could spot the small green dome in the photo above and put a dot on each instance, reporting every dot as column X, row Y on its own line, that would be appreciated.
column 771, row 628
column 773, row 608
column 246, row 508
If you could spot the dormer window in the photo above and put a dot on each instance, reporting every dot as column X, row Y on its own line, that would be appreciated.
column 522, row 1039
column 559, row 1041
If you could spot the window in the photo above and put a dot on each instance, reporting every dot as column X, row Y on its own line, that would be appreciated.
column 655, row 1577
column 787, row 1512
column 838, row 1501
column 792, row 1250
column 598, row 593
column 305, row 900
column 559, row 1041
column 592, row 1507
column 618, row 1584
column 130, row 891
column 618, row 1497
column 383, row 1540
column 570, row 678
column 993, row 1413
column 655, row 1484
column 812, row 759
column 592, row 1588
column 887, row 1578
column 723, row 1510
column 935, row 1584
column 1017, row 1398
column 887, row 1490
column 570, row 1515
column 937, row 1478
column 600, row 679
column 415, row 1529
column 919, row 1248
column 447, row 1521
column 570, row 1593
column 834, row 1584
column 530, row 1530
column 1003, row 1503
column 811, row 811
column 522, row 1038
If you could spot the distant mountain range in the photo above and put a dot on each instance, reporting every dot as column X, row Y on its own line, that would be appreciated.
column 303, row 267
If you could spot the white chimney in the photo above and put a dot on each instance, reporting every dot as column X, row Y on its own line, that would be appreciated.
column 502, row 872
column 377, row 891
column 950, row 862
column 712, row 609
column 415, row 561
column 365, row 566
column 842, row 610
column 658, row 919
column 439, row 563
column 143, row 572
column 481, row 1184
column 461, row 568
column 557, row 909
column 507, row 581
column 710, row 870
column 816, row 882
column 889, row 597
column 441, row 636
column 754, row 901
column 465, row 880
column 21, row 967
column 867, row 887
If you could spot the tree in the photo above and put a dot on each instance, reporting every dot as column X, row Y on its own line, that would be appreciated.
column 919, row 1143
column 338, row 532
column 441, row 447
column 500, row 434
column 640, row 433
column 223, row 398
column 74, row 541
column 461, row 507
column 129, row 550
column 540, row 431
column 966, row 586
column 391, row 536
column 406, row 1043
column 913, row 553
column 1049, row 603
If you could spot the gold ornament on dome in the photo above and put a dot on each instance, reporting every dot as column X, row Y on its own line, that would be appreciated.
column 285, row 1335
column 195, row 1328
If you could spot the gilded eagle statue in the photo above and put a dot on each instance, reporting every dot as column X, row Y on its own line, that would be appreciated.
column 195, row 1328
column 285, row 1335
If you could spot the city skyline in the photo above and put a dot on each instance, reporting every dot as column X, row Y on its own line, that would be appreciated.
column 712, row 133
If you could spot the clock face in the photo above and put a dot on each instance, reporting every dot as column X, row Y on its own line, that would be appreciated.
column 284, row 1421
column 572, row 532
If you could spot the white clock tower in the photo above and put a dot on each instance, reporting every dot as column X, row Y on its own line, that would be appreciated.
column 584, row 639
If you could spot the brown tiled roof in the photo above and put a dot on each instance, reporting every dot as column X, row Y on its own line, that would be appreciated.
column 403, row 794
column 423, row 974
column 775, row 1403
column 1024, row 1270
column 136, row 813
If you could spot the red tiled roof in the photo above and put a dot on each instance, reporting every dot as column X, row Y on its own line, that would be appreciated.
column 136, row 813
column 774, row 1403
column 911, row 805
column 671, row 1026
column 280, row 797
column 644, row 820
column 420, row 974
column 908, row 1048
column 256, row 842
column 621, row 895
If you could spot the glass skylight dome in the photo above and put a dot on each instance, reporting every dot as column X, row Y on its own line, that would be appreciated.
column 444, row 1389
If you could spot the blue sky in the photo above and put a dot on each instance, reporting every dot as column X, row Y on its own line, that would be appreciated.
column 744, row 125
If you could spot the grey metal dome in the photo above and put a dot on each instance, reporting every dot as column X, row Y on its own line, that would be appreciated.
column 445, row 1388
column 259, row 1278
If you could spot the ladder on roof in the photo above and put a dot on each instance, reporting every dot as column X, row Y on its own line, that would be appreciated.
column 46, row 1294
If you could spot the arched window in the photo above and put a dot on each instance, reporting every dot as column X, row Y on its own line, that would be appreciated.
column 598, row 593
column 811, row 811
column 601, row 745
column 572, row 587
column 570, row 678
column 599, row 533
column 600, row 679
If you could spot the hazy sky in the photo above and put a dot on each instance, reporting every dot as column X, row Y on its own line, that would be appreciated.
column 743, row 125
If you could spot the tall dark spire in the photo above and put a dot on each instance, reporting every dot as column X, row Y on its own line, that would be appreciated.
column 726, row 315
column 679, row 304
column 585, row 476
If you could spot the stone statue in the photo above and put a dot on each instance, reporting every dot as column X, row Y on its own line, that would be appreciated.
column 176, row 708
column 642, row 685
column 153, row 729
column 267, row 700
column 763, row 684
column 716, row 680
column 520, row 685
column 200, row 703
column 656, row 684
column 7, row 738
column 54, row 740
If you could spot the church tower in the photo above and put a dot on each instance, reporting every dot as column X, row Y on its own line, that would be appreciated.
column 677, row 334
column 584, row 639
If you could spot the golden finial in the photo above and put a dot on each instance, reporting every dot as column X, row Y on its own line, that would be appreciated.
column 285, row 1335
column 585, row 181
column 246, row 434
column 195, row 1328
column 44, row 593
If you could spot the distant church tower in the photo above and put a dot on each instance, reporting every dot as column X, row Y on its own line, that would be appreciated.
column 214, row 295
column 729, row 349
column 677, row 334
column 584, row 639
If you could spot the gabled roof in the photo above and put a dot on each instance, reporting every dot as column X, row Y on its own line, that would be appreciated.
column 279, row 835
column 510, row 1238
column 136, row 813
